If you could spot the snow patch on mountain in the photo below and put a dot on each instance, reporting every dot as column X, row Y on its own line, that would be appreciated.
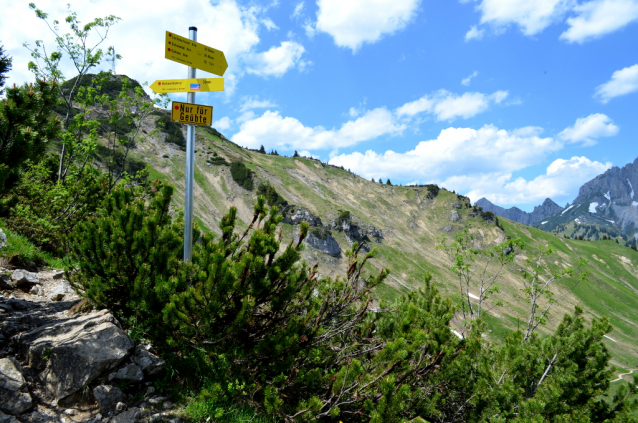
column 592, row 207
column 563, row 212
column 542, row 223
column 632, row 190
column 607, row 196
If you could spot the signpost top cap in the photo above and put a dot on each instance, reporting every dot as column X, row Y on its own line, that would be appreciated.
column 192, row 28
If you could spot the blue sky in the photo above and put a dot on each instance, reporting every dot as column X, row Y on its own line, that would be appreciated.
column 514, row 100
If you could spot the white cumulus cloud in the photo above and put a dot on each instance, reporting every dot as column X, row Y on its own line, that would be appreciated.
column 139, row 36
column 588, row 129
column 352, row 23
column 223, row 123
column 449, row 106
column 622, row 82
column 250, row 103
column 474, row 33
column 599, row 17
column 531, row 16
column 278, row 60
column 466, row 81
column 288, row 133
column 586, row 20
column 456, row 151
column 561, row 183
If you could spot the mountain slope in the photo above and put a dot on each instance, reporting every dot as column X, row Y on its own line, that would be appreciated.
column 403, row 223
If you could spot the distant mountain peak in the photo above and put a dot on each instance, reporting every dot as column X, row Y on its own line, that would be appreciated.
column 548, row 207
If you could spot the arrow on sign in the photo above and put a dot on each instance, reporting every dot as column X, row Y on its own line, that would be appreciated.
column 194, row 54
column 188, row 85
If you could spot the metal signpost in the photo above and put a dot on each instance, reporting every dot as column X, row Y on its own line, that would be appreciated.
column 188, row 51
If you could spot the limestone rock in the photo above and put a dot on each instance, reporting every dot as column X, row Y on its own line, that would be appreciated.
column 454, row 216
column 14, row 393
column 23, row 279
column 6, row 282
column 70, row 354
column 322, row 239
column 57, row 290
column 147, row 361
column 7, row 419
column 294, row 215
column 108, row 397
column 128, row 416
column 130, row 372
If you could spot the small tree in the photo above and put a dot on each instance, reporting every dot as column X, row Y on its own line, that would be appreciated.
column 84, row 58
column 472, row 268
column 296, row 154
column 27, row 125
column 262, row 150
column 388, row 182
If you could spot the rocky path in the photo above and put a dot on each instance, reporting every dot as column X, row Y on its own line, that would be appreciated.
column 60, row 366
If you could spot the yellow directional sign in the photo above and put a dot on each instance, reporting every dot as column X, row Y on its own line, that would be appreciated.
column 194, row 54
column 192, row 114
column 192, row 85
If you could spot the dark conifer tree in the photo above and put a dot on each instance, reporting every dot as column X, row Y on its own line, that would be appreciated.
column 388, row 182
column 262, row 150
column 5, row 66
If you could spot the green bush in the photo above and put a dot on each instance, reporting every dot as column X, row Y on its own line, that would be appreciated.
column 45, row 211
column 27, row 125
column 273, row 199
column 242, row 175
column 173, row 131
column 125, row 250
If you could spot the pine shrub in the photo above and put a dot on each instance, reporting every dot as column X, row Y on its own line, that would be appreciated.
column 125, row 251
column 242, row 175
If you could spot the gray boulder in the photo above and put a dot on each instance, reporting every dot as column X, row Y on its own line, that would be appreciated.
column 70, row 354
column 14, row 393
column 107, row 397
column 128, row 416
column 454, row 216
column 148, row 362
column 6, row 282
column 24, row 279
column 7, row 419
column 130, row 372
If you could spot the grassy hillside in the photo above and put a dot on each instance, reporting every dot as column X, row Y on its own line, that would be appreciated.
column 410, row 221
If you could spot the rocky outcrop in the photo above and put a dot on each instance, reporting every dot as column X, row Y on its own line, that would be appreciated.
column 294, row 215
column 454, row 216
column 14, row 394
column 539, row 213
column 322, row 239
column 70, row 354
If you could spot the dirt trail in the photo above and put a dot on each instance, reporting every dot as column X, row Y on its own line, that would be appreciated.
column 623, row 374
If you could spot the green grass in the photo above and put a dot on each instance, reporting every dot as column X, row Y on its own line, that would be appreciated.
column 613, row 390
column 207, row 410
column 21, row 251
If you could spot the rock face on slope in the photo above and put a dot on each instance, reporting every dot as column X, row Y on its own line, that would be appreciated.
column 539, row 213
column 59, row 366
